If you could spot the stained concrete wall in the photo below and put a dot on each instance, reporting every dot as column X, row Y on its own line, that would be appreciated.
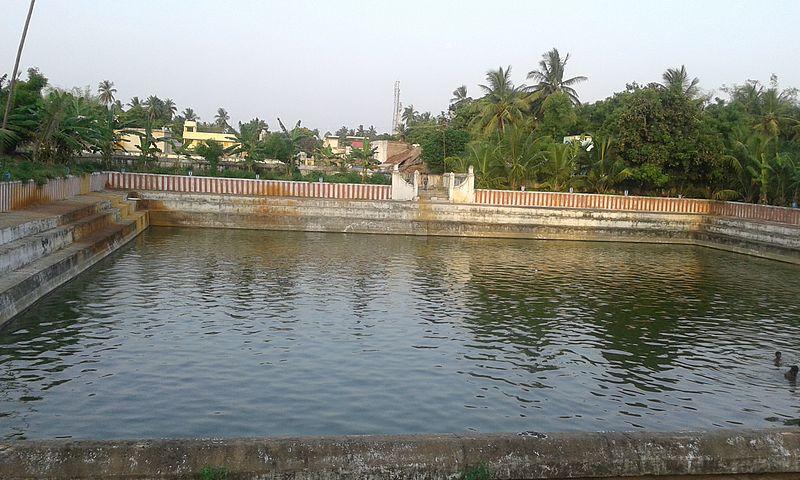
column 697, row 456
column 419, row 218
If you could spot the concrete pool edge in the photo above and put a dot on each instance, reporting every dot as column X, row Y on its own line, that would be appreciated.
column 773, row 241
column 769, row 453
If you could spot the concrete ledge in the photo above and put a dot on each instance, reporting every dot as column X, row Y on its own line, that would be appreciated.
column 763, row 239
column 730, row 454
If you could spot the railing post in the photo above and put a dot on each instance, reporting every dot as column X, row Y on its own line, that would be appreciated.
column 470, row 184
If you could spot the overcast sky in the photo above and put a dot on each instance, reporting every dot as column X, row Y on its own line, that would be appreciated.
column 334, row 63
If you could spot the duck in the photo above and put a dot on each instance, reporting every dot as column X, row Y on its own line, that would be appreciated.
column 792, row 373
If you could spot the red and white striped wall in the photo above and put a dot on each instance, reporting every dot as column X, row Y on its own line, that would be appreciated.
column 593, row 201
column 5, row 196
column 748, row 211
column 18, row 195
column 751, row 211
column 241, row 186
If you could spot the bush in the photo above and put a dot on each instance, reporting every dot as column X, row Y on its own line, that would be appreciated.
column 21, row 169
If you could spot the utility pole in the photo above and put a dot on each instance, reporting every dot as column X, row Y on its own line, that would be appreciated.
column 16, row 67
column 396, row 114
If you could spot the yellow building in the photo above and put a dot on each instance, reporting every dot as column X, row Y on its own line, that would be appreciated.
column 130, row 139
column 192, row 138
column 342, row 148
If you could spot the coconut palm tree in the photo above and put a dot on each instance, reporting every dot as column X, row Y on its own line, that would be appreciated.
column 550, row 79
column 154, row 107
column 106, row 90
column 754, row 164
column 606, row 169
column 559, row 166
column 774, row 113
column 409, row 114
column 136, row 103
column 502, row 104
column 459, row 95
column 677, row 80
column 485, row 158
column 169, row 108
column 221, row 119
column 521, row 155
column 189, row 115
column 460, row 98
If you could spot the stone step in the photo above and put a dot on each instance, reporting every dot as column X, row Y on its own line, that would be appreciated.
column 433, row 195
column 19, row 224
column 16, row 254
column 23, row 287
column 118, row 200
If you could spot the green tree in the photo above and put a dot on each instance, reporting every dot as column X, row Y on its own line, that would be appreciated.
column 106, row 91
column 221, row 119
column 249, row 142
column 148, row 149
column 23, row 117
column 169, row 109
column 438, row 142
column 558, row 116
column 188, row 114
column 550, row 79
column 67, row 125
column 485, row 158
column 154, row 108
column 365, row 156
column 605, row 170
column 293, row 139
column 212, row 152
column 756, row 159
column 409, row 115
column 678, row 82
column 560, row 165
column 659, row 127
column 460, row 99
column 502, row 105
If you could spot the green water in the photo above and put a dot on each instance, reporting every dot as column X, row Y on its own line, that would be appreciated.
column 199, row 333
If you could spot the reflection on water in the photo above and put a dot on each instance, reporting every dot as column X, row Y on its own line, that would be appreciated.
column 241, row 333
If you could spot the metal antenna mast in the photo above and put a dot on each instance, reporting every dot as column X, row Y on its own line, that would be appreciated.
column 397, row 107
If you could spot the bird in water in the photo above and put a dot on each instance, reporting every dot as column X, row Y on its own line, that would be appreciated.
column 778, row 360
column 792, row 373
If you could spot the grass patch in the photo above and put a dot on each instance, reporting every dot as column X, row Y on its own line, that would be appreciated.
column 478, row 472
column 213, row 472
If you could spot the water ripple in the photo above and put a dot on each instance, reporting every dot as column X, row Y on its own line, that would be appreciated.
column 239, row 333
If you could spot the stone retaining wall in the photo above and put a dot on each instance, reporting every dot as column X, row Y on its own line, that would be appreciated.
column 771, row 240
column 736, row 454
column 463, row 193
